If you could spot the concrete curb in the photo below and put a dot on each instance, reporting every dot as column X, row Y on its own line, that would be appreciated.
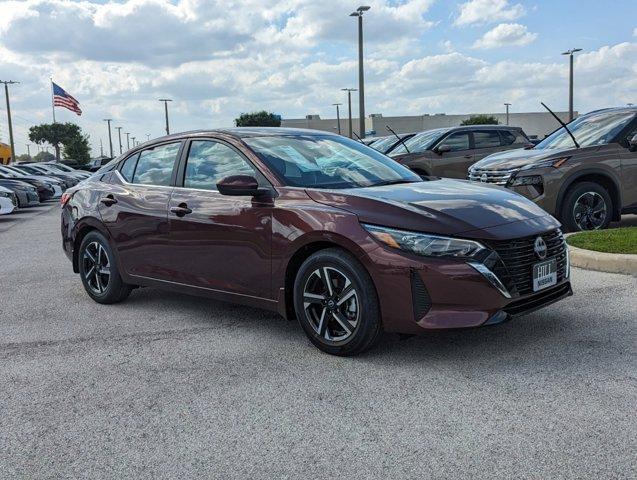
column 603, row 262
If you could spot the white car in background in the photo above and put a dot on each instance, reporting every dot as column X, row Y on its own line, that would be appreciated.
column 8, row 201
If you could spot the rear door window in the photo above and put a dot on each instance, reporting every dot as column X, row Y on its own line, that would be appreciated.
column 155, row 165
column 486, row 139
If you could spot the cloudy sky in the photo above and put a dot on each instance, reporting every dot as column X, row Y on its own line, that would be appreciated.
column 218, row 58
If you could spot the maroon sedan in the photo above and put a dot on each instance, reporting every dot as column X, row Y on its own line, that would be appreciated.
column 316, row 227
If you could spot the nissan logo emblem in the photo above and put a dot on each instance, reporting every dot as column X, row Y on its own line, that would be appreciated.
column 483, row 178
column 540, row 248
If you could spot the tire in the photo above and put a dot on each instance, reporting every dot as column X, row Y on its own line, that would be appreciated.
column 102, row 287
column 343, row 323
column 586, row 206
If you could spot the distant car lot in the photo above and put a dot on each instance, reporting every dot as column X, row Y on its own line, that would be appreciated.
column 168, row 383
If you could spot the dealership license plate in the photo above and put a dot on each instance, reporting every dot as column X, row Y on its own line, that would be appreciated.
column 544, row 275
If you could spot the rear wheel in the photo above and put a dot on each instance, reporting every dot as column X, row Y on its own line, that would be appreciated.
column 586, row 206
column 98, row 270
column 336, row 303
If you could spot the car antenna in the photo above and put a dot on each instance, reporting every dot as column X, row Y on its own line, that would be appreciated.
column 359, row 138
column 400, row 140
column 562, row 123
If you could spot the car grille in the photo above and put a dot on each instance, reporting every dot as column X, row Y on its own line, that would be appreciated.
column 14, row 199
column 518, row 257
column 497, row 177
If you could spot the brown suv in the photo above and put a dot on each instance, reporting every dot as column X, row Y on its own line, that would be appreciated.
column 585, row 175
column 449, row 152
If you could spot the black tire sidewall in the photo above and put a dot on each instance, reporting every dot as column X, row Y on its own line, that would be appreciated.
column 113, row 291
column 369, row 325
column 574, row 192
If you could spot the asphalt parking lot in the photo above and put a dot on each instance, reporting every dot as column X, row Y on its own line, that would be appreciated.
column 167, row 386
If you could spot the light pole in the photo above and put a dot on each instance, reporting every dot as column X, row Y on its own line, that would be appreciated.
column 119, row 135
column 110, row 139
column 507, row 105
column 147, row 136
column 166, row 100
column 133, row 139
column 349, row 107
column 570, row 83
column 6, row 94
column 127, row 140
column 28, row 149
column 338, row 116
column 361, row 79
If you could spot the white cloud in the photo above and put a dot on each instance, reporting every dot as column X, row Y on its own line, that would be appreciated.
column 488, row 11
column 504, row 35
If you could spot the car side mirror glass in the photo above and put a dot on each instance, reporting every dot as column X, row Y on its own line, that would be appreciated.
column 443, row 149
column 632, row 143
column 239, row 185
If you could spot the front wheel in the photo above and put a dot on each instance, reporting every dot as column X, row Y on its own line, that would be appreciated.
column 98, row 270
column 586, row 206
column 336, row 303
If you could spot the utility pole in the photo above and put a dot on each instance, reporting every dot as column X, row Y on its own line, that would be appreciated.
column 570, row 53
column 349, row 107
column 361, row 80
column 134, row 144
column 6, row 94
column 28, row 149
column 110, row 139
column 101, row 148
column 127, row 140
column 166, row 100
column 507, row 105
column 338, row 116
column 147, row 136
column 119, row 134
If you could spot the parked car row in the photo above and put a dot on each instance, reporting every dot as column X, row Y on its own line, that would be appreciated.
column 29, row 184
column 584, row 173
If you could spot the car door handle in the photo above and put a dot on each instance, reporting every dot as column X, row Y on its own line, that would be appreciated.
column 181, row 210
column 108, row 200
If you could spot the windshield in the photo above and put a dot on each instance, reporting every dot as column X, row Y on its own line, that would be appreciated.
column 593, row 129
column 419, row 143
column 384, row 143
column 14, row 170
column 328, row 162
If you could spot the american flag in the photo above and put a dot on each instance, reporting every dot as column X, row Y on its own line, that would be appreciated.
column 63, row 99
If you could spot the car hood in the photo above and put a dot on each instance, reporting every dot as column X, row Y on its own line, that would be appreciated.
column 449, row 207
column 518, row 158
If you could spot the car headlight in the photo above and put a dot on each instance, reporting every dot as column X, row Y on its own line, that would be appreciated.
column 553, row 162
column 528, row 180
column 5, row 194
column 425, row 244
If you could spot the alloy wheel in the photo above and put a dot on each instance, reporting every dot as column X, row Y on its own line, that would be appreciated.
column 96, row 267
column 331, row 304
column 589, row 211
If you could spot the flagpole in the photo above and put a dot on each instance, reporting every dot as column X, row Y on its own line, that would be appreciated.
column 52, row 100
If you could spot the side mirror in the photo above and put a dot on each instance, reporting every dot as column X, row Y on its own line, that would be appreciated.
column 239, row 185
column 632, row 143
column 443, row 149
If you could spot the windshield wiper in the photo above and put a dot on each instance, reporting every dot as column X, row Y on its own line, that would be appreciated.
column 359, row 138
column 400, row 140
column 393, row 182
column 563, row 124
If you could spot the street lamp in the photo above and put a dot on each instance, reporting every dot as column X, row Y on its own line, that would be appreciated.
column 338, row 116
column 166, row 100
column 349, row 107
column 110, row 139
column 570, row 84
column 507, row 105
column 10, row 124
column 147, row 136
column 127, row 140
column 361, row 80
column 119, row 135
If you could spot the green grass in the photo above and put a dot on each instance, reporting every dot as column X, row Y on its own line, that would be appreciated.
column 616, row 240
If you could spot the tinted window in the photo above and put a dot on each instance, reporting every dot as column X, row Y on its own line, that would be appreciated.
column 128, row 167
column 208, row 162
column 328, row 161
column 507, row 137
column 155, row 165
column 486, row 139
column 420, row 142
column 457, row 141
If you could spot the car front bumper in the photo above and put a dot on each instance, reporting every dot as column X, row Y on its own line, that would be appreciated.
column 6, row 206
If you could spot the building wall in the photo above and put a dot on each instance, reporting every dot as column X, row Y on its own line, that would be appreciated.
column 533, row 123
column 5, row 153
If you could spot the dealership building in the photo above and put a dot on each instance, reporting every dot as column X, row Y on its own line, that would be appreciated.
column 536, row 124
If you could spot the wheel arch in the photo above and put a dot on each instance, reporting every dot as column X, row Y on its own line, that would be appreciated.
column 595, row 175
column 83, row 228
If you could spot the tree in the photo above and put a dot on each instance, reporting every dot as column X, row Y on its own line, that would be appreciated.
column 78, row 149
column 23, row 158
column 258, row 119
column 481, row 120
column 55, row 134
column 43, row 157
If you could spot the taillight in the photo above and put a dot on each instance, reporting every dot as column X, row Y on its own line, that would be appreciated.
column 64, row 199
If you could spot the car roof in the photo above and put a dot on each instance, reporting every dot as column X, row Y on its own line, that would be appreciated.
column 624, row 109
